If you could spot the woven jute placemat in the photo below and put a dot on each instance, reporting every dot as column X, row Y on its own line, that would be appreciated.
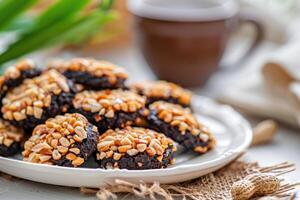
column 213, row 186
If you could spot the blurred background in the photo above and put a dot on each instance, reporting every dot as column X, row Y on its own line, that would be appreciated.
column 243, row 53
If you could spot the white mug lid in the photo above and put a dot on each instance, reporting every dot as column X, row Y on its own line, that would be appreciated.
column 184, row 10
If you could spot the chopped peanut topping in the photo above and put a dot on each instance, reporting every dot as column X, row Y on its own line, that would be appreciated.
column 163, row 90
column 9, row 134
column 15, row 71
column 131, row 141
column 33, row 95
column 178, row 116
column 92, row 66
column 182, row 118
column 107, row 102
column 56, row 138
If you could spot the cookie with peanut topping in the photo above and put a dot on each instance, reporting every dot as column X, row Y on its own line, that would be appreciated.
column 110, row 108
column 10, row 139
column 37, row 99
column 93, row 74
column 164, row 91
column 16, row 74
column 134, row 149
column 181, row 125
column 66, row 140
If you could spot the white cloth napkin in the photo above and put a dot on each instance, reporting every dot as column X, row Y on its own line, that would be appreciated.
column 250, row 93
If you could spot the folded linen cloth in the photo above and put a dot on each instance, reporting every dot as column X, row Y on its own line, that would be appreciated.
column 271, row 86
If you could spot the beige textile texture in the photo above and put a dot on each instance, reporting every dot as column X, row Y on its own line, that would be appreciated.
column 268, row 85
column 210, row 187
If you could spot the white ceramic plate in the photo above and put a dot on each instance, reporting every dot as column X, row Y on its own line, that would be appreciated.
column 232, row 132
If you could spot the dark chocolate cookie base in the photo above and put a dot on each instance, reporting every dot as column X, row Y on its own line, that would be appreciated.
column 188, row 140
column 59, row 104
column 140, row 161
column 94, row 82
column 87, row 148
column 10, row 83
column 120, row 119
column 10, row 151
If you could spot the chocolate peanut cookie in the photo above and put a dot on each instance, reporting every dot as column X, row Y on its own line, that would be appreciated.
column 93, row 74
column 135, row 149
column 109, row 108
column 179, row 124
column 37, row 99
column 66, row 140
column 10, row 139
column 14, row 75
column 163, row 90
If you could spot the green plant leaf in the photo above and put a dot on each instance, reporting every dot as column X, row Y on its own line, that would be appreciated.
column 55, row 13
column 52, row 35
column 60, row 11
column 87, row 27
column 10, row 9
column 57, row 31
column 36, row 41
column 19, row 24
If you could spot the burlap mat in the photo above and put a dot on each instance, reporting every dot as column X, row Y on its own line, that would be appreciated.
column 213, row 186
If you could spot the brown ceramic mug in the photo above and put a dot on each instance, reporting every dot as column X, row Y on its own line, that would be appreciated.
column 184, row 41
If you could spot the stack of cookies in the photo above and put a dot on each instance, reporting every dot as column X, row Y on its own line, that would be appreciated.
column 74, row 110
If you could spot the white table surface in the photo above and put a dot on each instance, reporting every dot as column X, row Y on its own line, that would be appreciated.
column 284, row 147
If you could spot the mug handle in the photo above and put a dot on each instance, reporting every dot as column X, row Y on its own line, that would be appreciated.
column 249, row 17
